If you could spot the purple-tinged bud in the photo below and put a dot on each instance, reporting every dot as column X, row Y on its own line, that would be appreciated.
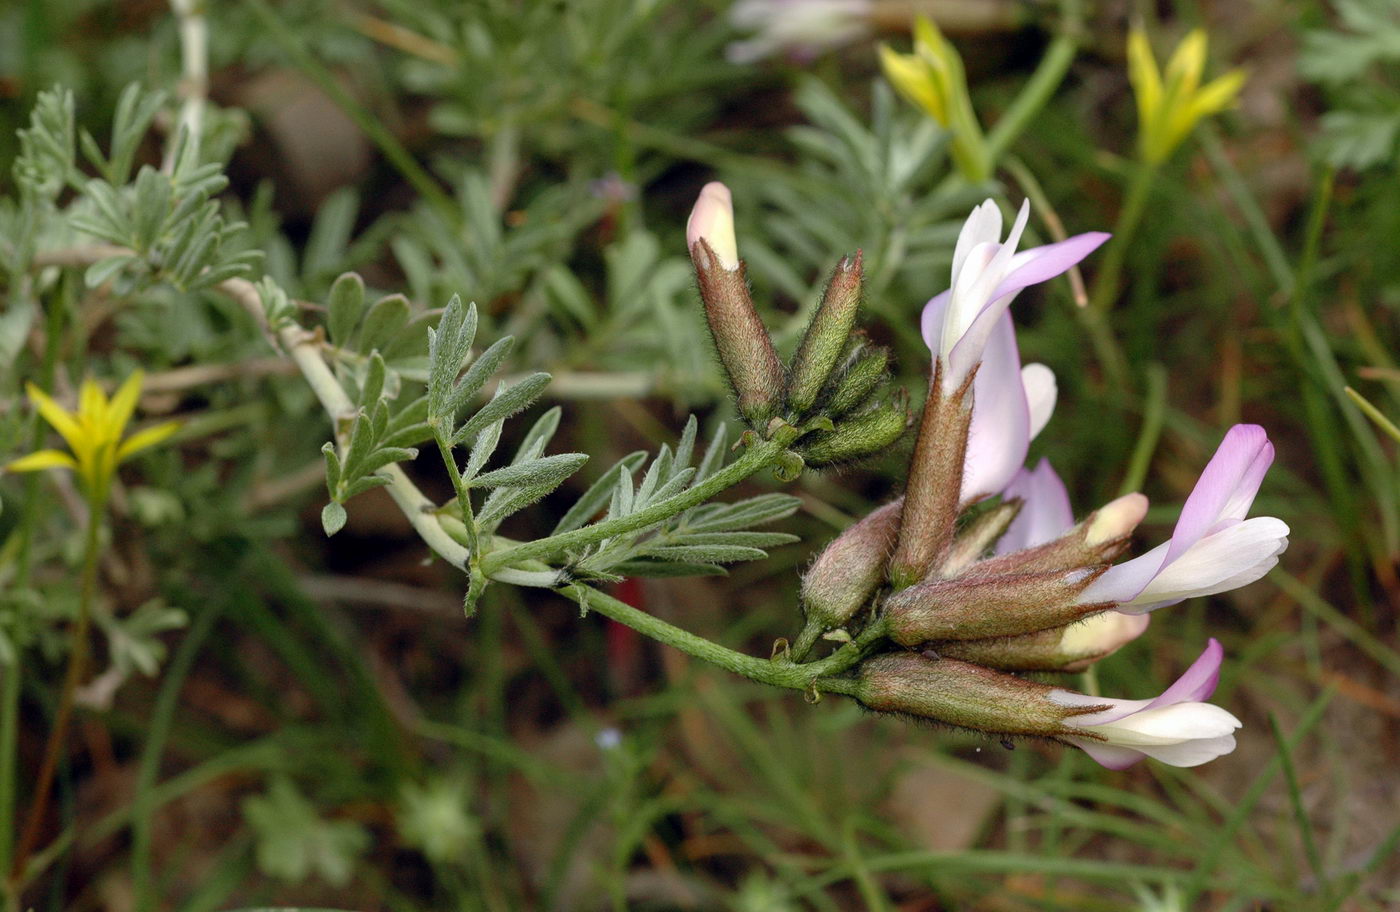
column 858, row 381
column 742, row 341
column 975, row 605
column 826, row 336
column 1071, row 648
column 961, row 694
column 856, row 437
column 845, row 575
column 935, row 481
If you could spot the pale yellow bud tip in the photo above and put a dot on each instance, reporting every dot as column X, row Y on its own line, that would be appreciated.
column 1104, row 632
column 1116, row 519
column 713, row 219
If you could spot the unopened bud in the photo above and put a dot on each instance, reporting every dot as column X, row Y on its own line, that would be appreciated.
column 1115, row 520
column 961, row 694
column 743, row 344
column 712, row 220
column 1071, row 648
column 858, row 382
column 975, row 606
column 826, row 336
column 935, row 481
column 979, row 536
column 845, row 575
column 856, row 437
column 1097, row 540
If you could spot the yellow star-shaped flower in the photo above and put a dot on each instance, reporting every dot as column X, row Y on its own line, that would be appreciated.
column 932, row 78
column 1171, row 103
column 94, row 434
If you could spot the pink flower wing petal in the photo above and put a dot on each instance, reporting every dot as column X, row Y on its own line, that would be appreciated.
column 1040, row 264
column 1045, row 512
column 999, row 437
column 1228, row 483
column 1198, row 682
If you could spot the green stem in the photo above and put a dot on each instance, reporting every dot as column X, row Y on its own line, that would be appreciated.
column 757, row 456
column 801, row 646
column 1037, row 91
column 1151, row 431
column 1106, row 283
column 459, row 485
column 77, row 662
column 774, row 672
column 29, row 516
column 419, row 510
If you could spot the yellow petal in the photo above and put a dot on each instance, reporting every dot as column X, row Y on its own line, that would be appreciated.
column 1188, row 63
column 1218, row 94
column 59, row 418
column 123, row 404
column 144, row 439
column 910, row 77
column 92, row 403
column 926, row 34
column 1144, row 76
column 42, row 459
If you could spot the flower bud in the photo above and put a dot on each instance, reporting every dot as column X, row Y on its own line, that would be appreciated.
column 860, row 379
column 1071, row 648
column 1116, row 520
column 845, row 575
column 862, row 435
column 826, row 336
column 979, row 535
column 961, row 694
column 977, row 605
column 1097, row 540
column 742, row 341
column 712, row 220
column 931, row 499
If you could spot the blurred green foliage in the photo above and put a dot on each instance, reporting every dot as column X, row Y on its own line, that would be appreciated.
column 327, row 730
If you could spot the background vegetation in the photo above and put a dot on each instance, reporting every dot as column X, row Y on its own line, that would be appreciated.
column 279, row 718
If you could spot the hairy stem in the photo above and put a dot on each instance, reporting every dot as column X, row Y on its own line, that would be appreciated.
column 194, row 70
column 759, row 454
column 775, row 672
column 305, row 349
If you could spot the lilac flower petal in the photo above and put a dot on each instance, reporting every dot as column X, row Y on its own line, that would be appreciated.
column 931, row 322
column 1123, row 582
column 1228, row 483
column 1040, row 264
column 1198, row 682
column 1109, row 756
column 1000, row 433
column 1045, row 510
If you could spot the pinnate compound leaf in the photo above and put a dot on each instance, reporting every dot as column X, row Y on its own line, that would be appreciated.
column 600, row 492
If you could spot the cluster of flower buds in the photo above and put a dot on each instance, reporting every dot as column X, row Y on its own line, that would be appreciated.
column 979, row 571
column 832, row 402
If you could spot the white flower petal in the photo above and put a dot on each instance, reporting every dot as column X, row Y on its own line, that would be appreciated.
column 1041, row 393
column 1225, row 559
